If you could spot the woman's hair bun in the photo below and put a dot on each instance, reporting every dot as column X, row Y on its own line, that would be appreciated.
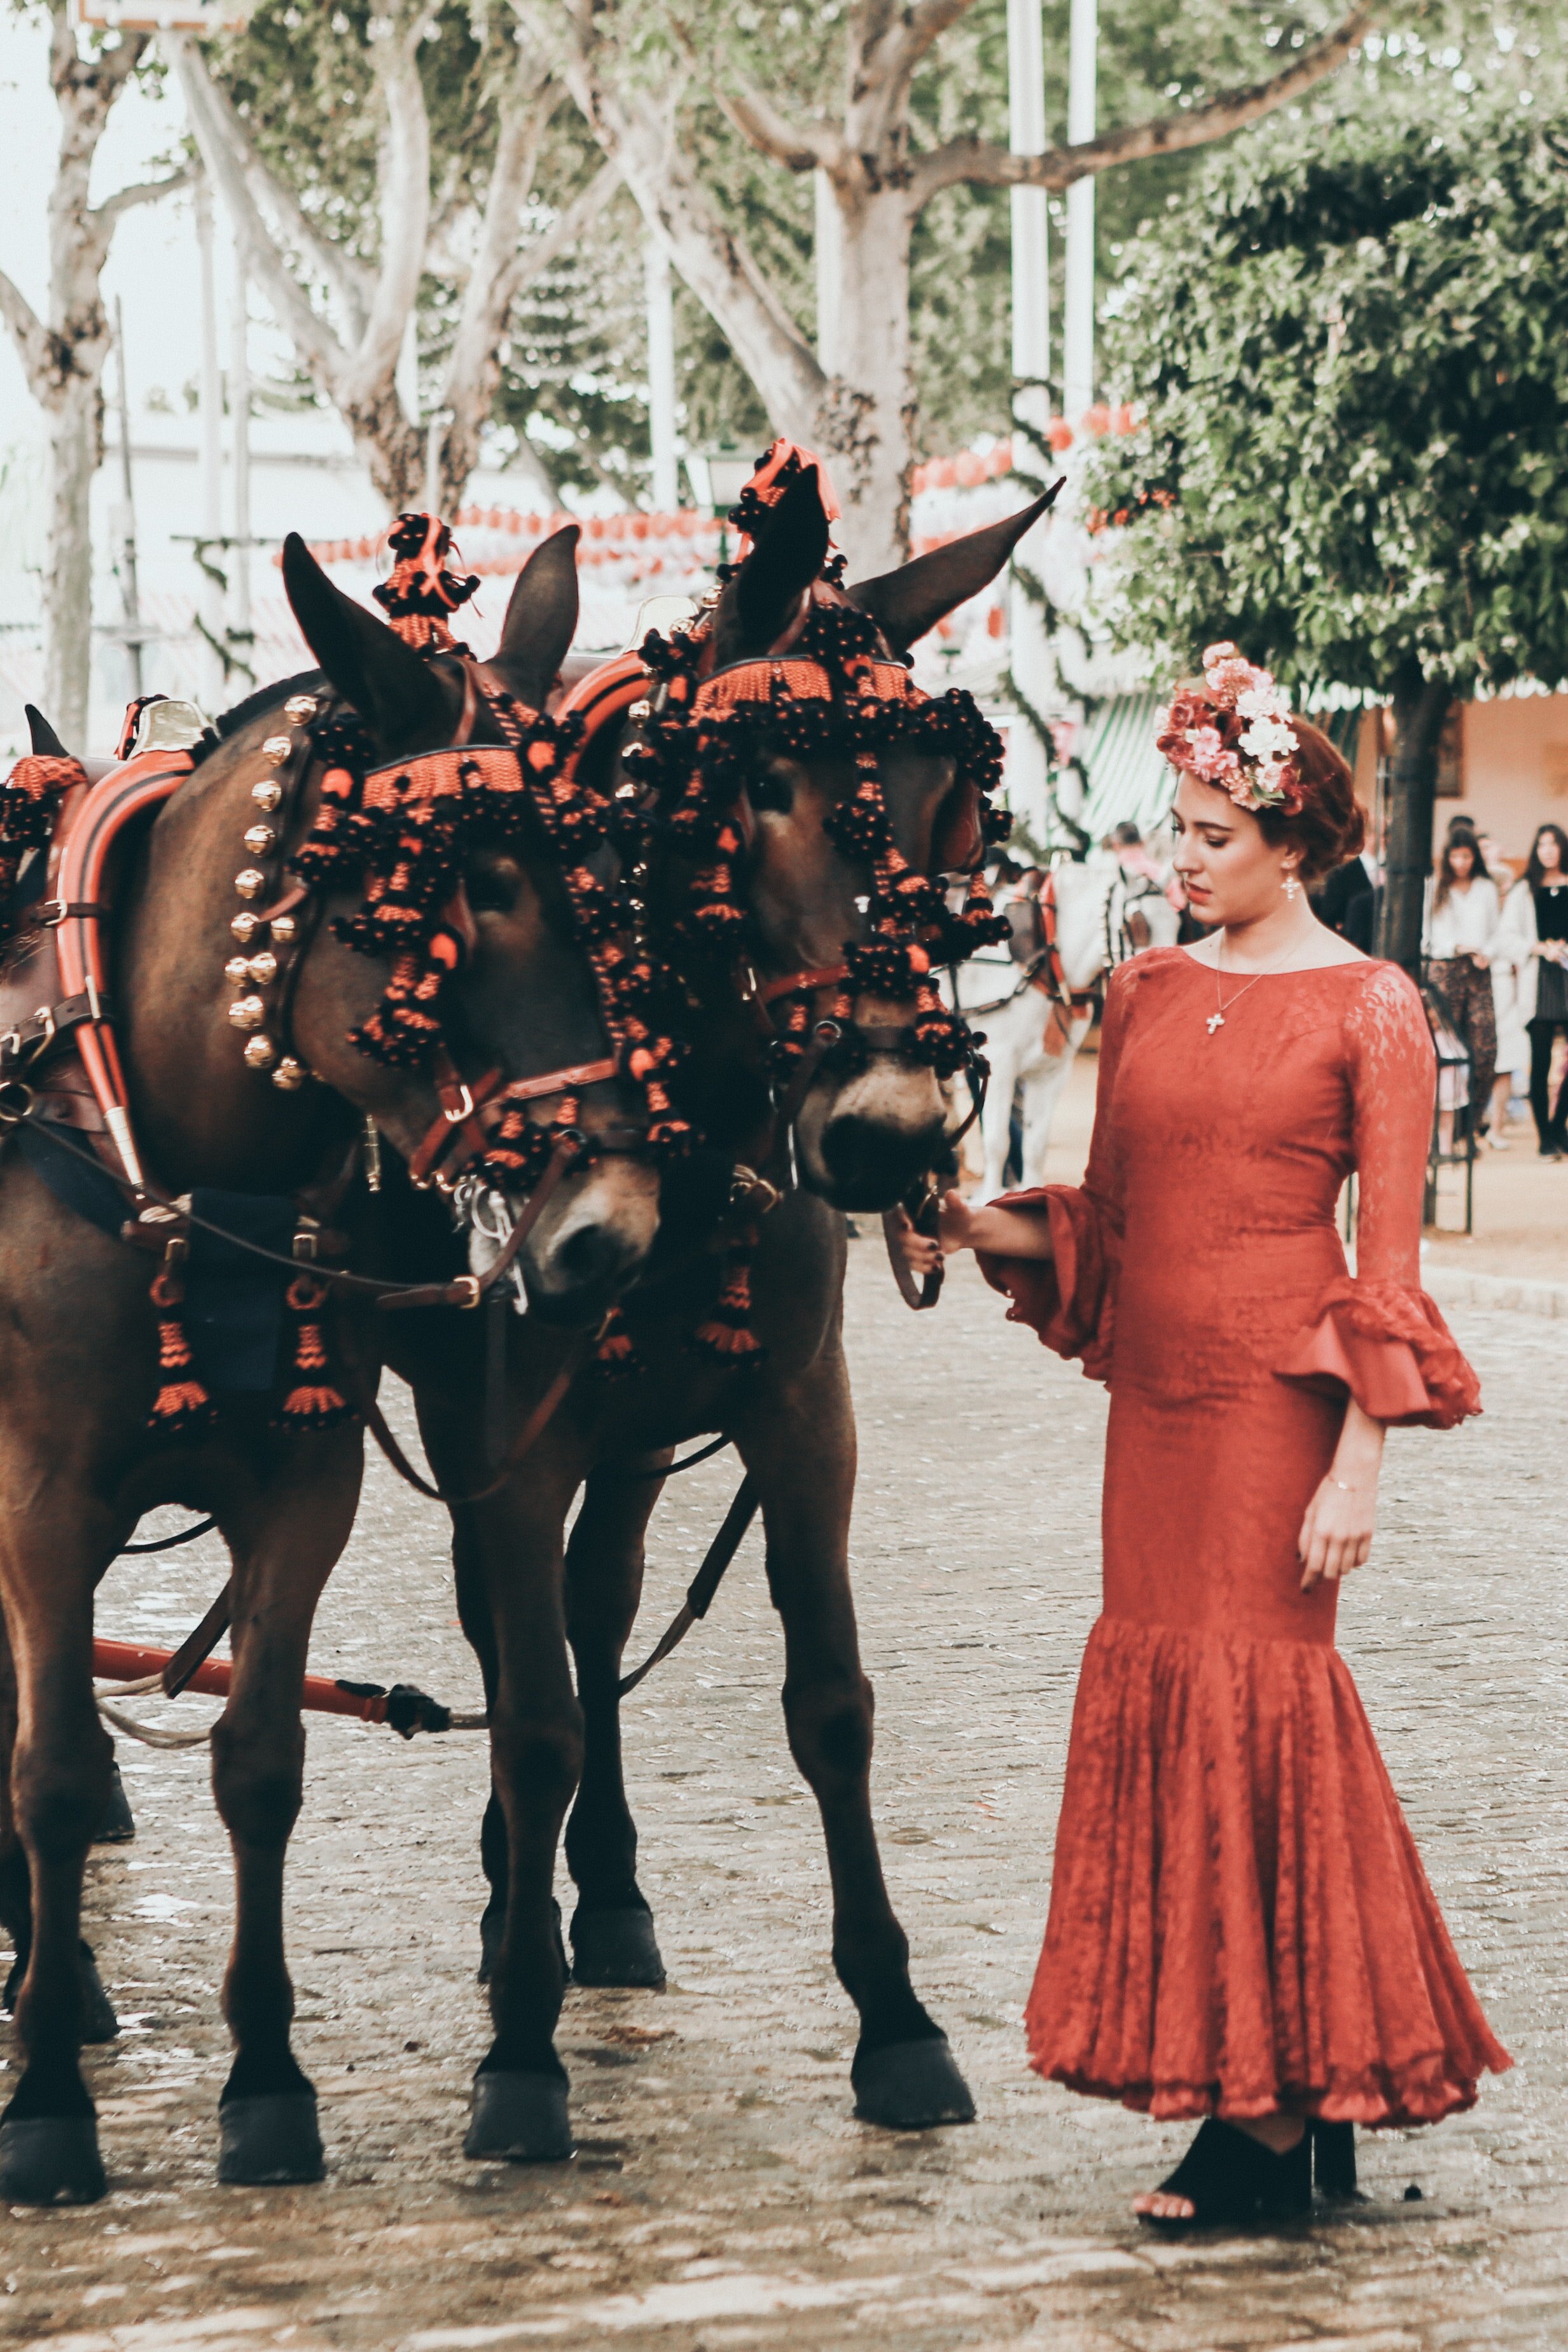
column 1330, row 826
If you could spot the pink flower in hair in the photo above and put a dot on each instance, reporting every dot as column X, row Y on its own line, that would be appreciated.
column 1208, row 757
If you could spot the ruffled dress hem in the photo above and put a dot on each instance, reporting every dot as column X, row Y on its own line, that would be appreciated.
column 1239, row 1921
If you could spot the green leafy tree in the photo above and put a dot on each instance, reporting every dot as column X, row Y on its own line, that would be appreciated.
column 1350, row 345
column 878, row 111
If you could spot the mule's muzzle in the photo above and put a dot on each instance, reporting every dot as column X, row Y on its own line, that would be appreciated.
column 867, row 1163
column 591, row 1244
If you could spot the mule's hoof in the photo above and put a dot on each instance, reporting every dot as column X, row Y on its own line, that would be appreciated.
column 264, row 2141
column 615, row 1948
column 99, row 2021
column 910, row 2085
column 520, row 2117
column 51, row 2161
column 118, row 1826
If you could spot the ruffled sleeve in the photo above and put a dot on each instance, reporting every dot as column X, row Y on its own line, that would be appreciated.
column 1068, row 1298
column 1377, row 1336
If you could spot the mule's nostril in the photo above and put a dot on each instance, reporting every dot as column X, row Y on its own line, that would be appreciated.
column 591, row 1253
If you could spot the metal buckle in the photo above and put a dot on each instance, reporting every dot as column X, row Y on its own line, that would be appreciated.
column 464, row 1108
column 469, row 1283
column 45, row 1014
column 51, row 914
column 828, row 1033
column 16, row 1102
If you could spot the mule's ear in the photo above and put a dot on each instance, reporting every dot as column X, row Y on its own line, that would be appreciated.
column 45, row 739
column 541, row 619
column 907, row 602
column 400, row 697
column 788, row 552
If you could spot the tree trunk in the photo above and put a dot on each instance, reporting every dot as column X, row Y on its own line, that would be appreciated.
column 1420, row 707
column 76, row 444
column 865, row 427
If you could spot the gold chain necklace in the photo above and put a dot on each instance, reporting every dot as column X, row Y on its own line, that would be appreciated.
column 1217, row 1018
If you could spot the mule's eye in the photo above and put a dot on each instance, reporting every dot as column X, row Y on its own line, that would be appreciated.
column 493, row 887
column 771, row 792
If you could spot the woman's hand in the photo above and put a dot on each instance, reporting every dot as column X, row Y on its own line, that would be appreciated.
column 921, row 1252
column 1337, row 1531
column 1003, row 1232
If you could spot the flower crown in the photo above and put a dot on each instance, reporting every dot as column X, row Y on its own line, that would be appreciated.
column 1234, row 731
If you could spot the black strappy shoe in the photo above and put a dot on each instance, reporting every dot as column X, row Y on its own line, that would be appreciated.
column 1334, row 2162
column 1233, row 2182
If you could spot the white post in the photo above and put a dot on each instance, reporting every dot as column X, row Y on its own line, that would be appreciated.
column 1078, row 294
column 210, row 601
column 661, row 302
column 239, row 416
column 406, row 379
column 1029, row 650
column 829, row 259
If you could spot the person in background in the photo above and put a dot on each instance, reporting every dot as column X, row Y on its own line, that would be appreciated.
column 1533, row 939
column 1346, row 903
column 1512, row 1043
column 1462, row 917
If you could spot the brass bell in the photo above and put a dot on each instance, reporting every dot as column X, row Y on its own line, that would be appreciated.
column 289, row 1074
column 245, row 928
column 236, row 971
column 300, row 706
column 277, row 747
column 260, row 1053
column 263, row 968
column 285, row 929
column 259, row 839
column 247, row 1013
column 267, row 794
column 250, row 882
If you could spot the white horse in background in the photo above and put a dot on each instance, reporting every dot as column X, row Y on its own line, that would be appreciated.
column 1088, row 918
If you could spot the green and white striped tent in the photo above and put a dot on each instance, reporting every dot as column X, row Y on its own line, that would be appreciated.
column 1127, row 778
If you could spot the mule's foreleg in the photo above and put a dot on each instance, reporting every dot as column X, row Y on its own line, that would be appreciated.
column 612, row 1938
column 59, row 1763
column 508, row 1556
column 800, row 1449
column 283, row 1548
column 1009, row 1039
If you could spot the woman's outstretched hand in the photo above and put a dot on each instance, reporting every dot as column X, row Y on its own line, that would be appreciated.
column 1002, row 1233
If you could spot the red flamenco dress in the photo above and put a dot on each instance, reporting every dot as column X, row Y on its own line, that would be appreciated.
column 1240, row 1922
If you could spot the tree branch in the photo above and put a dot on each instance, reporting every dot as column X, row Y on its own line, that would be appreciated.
column 226, row 154
column 566, row 230
column 402, row 188
column 142, row 191
column 761, row 124
column 976, row 162
column 209, row 104
column 34, row 346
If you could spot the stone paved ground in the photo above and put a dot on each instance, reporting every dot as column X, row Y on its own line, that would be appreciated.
column 723, row 2195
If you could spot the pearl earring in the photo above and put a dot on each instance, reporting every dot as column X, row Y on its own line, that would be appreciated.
column 1291, row 886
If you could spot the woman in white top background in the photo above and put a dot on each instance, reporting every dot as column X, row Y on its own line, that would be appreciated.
column 1533, row 942
column 1461, row 932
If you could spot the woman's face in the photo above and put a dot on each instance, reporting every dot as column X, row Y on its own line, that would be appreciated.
column 1461, row 862
column 1547, row 856
column 1231, row 874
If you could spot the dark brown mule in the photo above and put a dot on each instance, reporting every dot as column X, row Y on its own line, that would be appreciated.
column 862, row 1135
column 78, row 1349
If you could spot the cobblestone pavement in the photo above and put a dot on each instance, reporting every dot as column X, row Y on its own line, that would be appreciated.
column 723, row 2195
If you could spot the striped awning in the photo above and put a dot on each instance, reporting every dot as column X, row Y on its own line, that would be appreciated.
column 1128, row 781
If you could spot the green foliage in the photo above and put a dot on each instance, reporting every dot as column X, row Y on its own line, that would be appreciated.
column 1350, row 340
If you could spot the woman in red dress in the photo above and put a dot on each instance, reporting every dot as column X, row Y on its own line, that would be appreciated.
column 1240, row 1929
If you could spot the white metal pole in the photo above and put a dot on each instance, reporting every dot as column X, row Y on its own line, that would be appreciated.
column 211, row 597
column 1078, row 294
column 1029, row 658
column 661, row 302
column 829, row 256
column 239, row 413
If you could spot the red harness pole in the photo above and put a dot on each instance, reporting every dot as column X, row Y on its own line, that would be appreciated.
column 123, row 1661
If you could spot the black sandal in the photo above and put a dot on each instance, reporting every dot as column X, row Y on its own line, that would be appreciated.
column 1334, row 2162
column 1233, row 2182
